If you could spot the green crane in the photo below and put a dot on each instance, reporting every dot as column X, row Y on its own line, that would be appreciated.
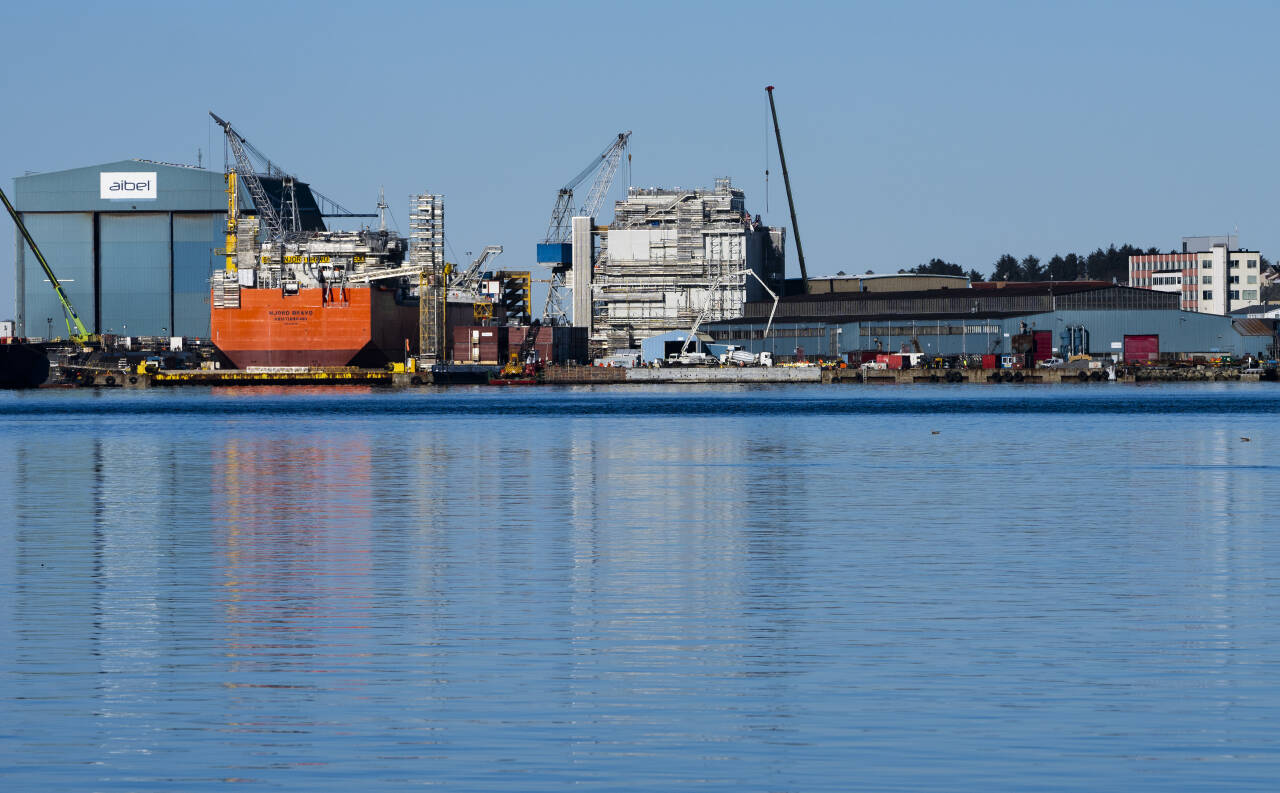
column 79, row 333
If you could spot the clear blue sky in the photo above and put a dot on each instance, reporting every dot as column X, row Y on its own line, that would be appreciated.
column 913, row 130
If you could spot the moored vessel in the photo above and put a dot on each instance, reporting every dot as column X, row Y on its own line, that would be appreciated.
column 314, row 302
column 22, row 365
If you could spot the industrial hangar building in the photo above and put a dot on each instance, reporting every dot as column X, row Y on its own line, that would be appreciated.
column 134, row 243
column 1083, row 316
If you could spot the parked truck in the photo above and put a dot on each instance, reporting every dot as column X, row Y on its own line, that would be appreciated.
column 736, row 356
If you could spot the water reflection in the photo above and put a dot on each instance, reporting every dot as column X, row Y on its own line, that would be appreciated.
column 293, row 523
column 488, row 600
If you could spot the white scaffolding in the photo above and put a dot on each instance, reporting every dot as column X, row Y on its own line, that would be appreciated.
column 673, row 253
column 426, row 252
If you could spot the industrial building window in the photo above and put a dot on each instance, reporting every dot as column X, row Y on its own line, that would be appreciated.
column 1234, row 264
column 1235, row 279
column 1252, row 279
column 1234, row 294
column 1206, row 263
column 1251, row 294
column 1206, row 295
column 1253, row 264
column 1208, row 279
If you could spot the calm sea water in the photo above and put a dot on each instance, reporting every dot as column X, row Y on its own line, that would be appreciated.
column 785, row 589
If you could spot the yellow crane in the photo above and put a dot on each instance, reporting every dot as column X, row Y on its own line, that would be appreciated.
column 75, row 328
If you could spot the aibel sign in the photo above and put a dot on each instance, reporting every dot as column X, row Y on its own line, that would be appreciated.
column 126, row 186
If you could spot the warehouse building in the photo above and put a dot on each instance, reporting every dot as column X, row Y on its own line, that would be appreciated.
column 1095, row 318
column 134, row 243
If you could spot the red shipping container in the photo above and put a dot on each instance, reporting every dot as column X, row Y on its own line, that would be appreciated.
column 558, row 344
column 989, row 362
column 1043, row 345
column 479, row 344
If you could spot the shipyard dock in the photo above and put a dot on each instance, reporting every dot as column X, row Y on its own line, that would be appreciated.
column 446, row 375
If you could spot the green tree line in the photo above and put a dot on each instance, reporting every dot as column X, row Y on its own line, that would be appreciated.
column 1109, row 264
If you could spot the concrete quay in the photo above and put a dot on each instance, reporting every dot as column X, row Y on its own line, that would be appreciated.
column 578, row 375
column 586, row 375
column 1055, row 375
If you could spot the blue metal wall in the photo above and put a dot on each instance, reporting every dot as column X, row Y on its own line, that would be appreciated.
column 133, row 265
column 195, row 238
column 67, row 243
column 1179, row 332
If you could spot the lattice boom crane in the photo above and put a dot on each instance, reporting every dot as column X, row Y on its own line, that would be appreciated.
column 559, row 229
column 246, row 175
column 281, row 222
column 553, row 251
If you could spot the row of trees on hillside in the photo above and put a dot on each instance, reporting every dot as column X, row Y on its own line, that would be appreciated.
column 1111, row 264
column 940, row 267
column 1101, row 265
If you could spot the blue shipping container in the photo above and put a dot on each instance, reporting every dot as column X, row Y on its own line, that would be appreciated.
column 555, row 253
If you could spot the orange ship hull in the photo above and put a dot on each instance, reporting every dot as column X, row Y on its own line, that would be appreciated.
column 360, row 326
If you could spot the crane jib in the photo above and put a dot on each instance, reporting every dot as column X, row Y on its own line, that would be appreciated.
column 80, row 331
column 786, row 180
column 607, row 166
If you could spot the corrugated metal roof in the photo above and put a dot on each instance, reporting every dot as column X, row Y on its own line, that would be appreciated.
column 1254, row 327
column 1035, row 289
column 1011, row 300
column 179, row 188
column 836, row 319
column 1254, row 309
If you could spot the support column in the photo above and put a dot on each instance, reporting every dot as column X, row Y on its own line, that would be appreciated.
column 20, row 282
column 584, row 257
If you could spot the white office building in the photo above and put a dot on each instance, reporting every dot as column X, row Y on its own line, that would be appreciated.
column 1212, row 274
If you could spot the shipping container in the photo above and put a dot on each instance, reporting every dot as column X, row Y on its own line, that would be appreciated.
column 555, row 253
column 1043, row 345
column 989, row 362
column 480, row 344
column 1141, row 348
column 905, row 360
column 554, row 344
